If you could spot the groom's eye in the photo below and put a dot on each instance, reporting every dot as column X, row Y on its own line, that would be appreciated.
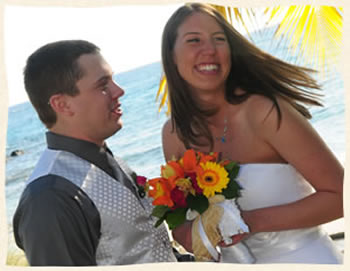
column 104, row 87
column 102, row 84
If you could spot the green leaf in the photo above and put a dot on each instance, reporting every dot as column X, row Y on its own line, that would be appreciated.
column 199, row 203
column 232, row 168
column 133, row 175
column 176, row 217
column 159, row 222
column 232, row 190
column 229, row 166
column 160, row 211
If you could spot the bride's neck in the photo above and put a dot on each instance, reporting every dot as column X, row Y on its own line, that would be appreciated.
column 211, row 100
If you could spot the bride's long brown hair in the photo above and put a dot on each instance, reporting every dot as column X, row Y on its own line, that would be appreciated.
column 252, row 70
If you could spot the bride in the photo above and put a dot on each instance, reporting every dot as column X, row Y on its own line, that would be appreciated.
column 228, row 96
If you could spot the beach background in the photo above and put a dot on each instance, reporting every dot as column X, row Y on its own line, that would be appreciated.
column 139, row 142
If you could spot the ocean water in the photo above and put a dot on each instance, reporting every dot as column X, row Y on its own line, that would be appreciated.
column 139, row 142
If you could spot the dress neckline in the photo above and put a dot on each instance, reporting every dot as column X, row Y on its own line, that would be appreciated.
column 265, row 164
column 261, row 166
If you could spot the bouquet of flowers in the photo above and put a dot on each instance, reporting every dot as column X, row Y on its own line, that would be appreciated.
column 198, row 187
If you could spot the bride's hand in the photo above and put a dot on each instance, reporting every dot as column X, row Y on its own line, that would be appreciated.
column 235, row 239
column 183, row 235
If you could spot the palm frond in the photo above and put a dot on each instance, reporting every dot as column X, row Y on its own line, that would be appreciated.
column 316, row 31
column 163, row 90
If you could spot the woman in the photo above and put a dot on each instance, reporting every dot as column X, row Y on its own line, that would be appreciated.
column 228, row 96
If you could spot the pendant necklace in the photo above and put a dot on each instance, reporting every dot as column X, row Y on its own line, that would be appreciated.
column 222, row 138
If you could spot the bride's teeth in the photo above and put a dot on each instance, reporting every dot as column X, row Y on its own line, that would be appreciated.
column 210, row 67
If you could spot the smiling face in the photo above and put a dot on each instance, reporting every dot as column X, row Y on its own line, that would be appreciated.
column 202, row 53
column 96, row 109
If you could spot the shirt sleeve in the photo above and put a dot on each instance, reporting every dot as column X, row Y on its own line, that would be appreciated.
column 56, row 224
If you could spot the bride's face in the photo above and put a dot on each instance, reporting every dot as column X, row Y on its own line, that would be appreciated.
column 202, row 53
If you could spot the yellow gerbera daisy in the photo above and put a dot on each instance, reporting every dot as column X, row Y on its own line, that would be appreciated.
column 211, row 177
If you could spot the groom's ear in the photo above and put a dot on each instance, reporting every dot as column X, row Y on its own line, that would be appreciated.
column 60, row 104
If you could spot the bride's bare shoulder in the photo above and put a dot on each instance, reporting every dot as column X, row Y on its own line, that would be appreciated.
column 168, row 131
column 172, row 145
column 259, row 108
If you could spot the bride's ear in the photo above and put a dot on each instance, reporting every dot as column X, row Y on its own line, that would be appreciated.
column 59, row 103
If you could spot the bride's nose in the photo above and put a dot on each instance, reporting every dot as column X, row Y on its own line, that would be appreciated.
column 208, row 47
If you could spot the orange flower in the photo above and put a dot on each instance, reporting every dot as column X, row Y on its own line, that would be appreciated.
column 189, row 161
column 160, row 189
column 225, row 162
column 172, row 170
column 203, row 158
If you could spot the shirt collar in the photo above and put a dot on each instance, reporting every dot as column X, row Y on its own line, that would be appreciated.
column 86, row 150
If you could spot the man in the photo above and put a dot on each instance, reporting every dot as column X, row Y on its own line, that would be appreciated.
column 80, row 205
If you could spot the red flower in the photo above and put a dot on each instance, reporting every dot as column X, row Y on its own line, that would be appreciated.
column 178, row 197
column 141, row 180
column 193, row 178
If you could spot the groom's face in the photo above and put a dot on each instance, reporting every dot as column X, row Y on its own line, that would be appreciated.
column 97, row 108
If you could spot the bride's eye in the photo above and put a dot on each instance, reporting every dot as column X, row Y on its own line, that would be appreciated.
column 193, row 40
column 220, row 38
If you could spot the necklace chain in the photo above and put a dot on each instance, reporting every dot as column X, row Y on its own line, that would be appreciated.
column 222, row 138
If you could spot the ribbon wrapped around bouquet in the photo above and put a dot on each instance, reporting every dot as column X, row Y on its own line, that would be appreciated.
column 218, row 223
column 201, row 184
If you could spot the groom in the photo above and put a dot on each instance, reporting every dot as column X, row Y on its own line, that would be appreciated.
column 80, row 205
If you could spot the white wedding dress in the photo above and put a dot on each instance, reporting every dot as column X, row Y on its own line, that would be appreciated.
column 267, row 185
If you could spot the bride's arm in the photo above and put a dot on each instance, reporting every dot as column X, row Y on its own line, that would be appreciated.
column 173, row 147
column 298, row 144
column 183, row 235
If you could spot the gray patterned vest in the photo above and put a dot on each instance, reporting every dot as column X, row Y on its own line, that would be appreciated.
column 128, row 235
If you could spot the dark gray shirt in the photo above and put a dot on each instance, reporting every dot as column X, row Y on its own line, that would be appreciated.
column 55, row 222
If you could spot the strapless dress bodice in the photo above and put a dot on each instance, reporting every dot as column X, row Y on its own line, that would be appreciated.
column 265, row 185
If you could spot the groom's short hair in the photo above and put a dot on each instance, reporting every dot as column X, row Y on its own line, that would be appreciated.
column 54, row 69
